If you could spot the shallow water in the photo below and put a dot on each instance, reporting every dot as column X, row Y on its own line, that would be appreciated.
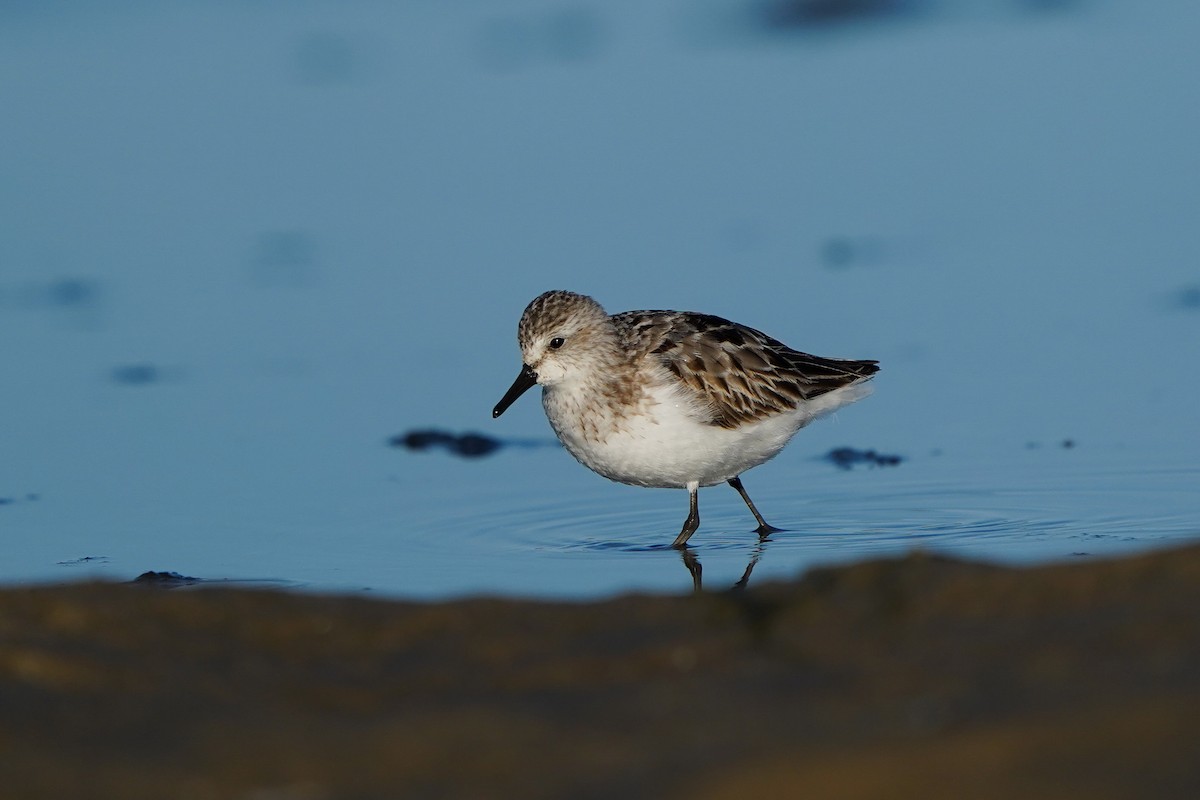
column 534, row 523
column 244, row 247
column 1026, row 506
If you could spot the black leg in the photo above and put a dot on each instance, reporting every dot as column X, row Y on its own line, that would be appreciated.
column 763, row 529
column 693, row 518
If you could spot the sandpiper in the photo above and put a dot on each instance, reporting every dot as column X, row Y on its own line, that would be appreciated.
column 672, row 399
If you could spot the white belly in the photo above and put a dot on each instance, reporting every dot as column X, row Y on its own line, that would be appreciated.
column 665, row 445
column 677, row 451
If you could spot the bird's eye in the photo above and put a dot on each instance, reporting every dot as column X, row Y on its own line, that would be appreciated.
column 557, row 342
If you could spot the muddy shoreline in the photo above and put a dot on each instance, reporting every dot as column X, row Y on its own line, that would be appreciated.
column 893, row 678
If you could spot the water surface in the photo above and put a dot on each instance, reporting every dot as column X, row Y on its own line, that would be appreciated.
column 246, row 245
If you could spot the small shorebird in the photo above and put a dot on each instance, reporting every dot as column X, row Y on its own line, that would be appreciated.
column 672, row 399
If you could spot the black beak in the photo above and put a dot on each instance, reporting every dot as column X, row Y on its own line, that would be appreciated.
column 521, row 385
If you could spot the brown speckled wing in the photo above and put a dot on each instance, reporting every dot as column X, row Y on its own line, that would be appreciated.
column 740, row 373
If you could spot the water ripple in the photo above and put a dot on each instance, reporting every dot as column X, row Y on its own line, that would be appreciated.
column 987, row 513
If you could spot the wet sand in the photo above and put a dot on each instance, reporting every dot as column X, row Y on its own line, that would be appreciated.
column 905, row 678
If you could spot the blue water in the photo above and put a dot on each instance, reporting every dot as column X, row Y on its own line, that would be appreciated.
column 244, row 244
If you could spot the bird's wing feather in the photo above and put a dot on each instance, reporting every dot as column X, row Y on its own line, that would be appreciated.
column 738, row 373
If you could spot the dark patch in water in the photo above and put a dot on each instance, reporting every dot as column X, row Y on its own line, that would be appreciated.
column 467, row 445
column 844, row 252
column 849, row 457
column 1188, row 297
column 788, row 15
column 136, row 374
column 1065, row 444
column 73, row 292
column 735, row 20
column 165, row 580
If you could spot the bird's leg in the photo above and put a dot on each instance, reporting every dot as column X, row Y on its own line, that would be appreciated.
column 764, row 529
column 693, row 518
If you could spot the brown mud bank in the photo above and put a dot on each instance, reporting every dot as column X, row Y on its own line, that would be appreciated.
column 908, row 678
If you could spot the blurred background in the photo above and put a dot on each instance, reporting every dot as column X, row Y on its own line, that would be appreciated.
column 244, row 244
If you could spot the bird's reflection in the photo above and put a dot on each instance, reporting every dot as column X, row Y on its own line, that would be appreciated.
column 696, row 570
